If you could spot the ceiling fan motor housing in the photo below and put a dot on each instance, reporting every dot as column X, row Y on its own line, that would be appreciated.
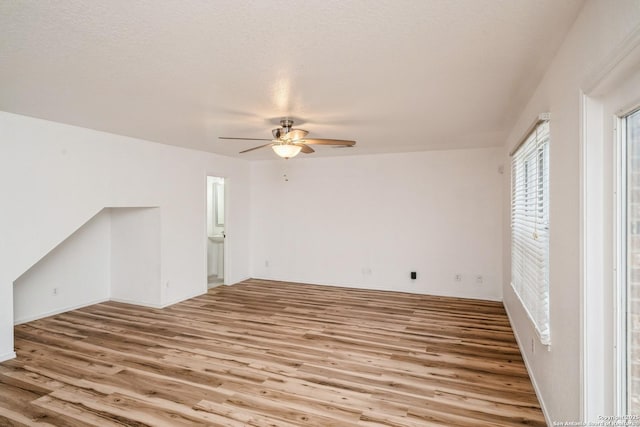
column 285, row 128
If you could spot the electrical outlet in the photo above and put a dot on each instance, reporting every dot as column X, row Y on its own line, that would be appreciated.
column 266, row 263
column 458, row 277
column 55, row 291
column 479, row 278
column 167, row 284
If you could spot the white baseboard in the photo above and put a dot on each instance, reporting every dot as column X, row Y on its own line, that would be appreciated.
column 369, row 287
column 121, row 300
column 196, row 294
column 239, row 281
column 7, row 356
column 143, row 304
column 526, row 364
column 57, row 311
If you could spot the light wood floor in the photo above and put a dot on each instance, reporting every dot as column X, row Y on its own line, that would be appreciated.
column 267, row 353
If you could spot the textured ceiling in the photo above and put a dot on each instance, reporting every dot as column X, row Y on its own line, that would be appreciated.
column 393, row 75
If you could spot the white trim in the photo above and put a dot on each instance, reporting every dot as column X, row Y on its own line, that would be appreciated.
column 205, row 233
column 619, row 231
column 584, row 355
column 226, row 259
column 620, row 234
column 226, row 262
column 7, row 356
column 601, row 260
column 368, row 287
column 143, row 304
column 529, row 370
column 600, row 228
column 57, row 311
column 159, row 306
column 176, row 301
column 240, row 281
column 532, row 320
column 592, row 259
column 99, row 301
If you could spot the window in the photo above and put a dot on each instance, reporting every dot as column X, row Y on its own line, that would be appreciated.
column 530, row 226
column 630, row 135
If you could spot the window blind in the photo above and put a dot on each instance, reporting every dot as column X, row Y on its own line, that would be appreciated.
column 530, row 227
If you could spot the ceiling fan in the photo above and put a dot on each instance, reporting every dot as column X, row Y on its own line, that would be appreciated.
column 288, row 142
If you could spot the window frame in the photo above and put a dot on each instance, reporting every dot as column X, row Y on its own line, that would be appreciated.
column 621, row 297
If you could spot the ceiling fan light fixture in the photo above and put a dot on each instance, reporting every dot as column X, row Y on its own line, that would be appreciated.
column 286, row 151
column 288, row 142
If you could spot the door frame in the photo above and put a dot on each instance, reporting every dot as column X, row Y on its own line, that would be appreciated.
column 604, row 99
column 225, row 243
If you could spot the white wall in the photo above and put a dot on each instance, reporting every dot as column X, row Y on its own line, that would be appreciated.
column 598, row 30
column 78, row 271
column 135, row 256
column 55, row 177
column 368, row 221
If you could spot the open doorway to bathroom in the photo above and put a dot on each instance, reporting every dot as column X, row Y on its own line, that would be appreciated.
column 215, row 230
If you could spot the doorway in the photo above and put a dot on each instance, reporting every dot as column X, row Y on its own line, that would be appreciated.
column 610, row 229
column 215, row 231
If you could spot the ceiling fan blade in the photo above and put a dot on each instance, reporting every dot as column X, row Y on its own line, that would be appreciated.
column 255, row 148
column 245, row 139
column 329, row 141
column 295, row 134
column 306, row 149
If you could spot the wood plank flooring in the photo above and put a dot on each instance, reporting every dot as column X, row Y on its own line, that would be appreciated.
column 265, row 353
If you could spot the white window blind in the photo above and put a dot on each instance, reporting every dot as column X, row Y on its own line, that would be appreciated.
column 530, row 227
